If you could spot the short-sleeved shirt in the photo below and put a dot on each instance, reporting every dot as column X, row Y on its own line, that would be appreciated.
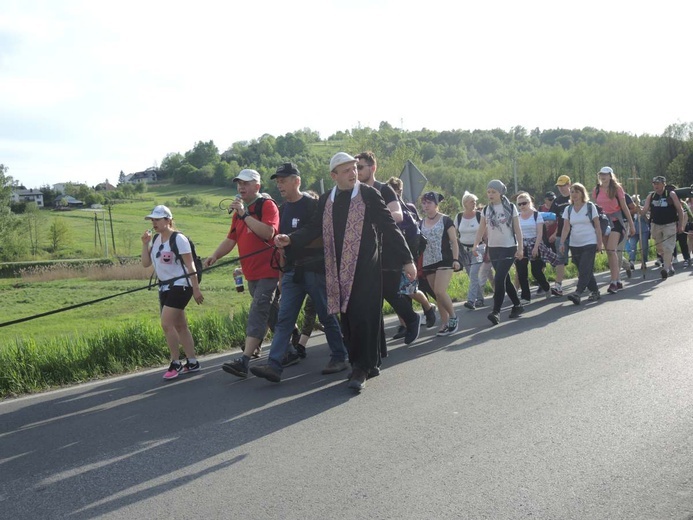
column 257, row 266
column 582, row 230
column 529, row 225
column 499, row 228
column 164, row 260
column 558, row 207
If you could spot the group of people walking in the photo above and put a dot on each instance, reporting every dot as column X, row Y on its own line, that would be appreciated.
column 360, row 244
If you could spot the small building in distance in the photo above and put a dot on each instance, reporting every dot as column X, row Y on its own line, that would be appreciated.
column 28, row 196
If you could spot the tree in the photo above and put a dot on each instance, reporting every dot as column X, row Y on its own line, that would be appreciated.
column 59, row 234
column 121, row 178
column 203, row 153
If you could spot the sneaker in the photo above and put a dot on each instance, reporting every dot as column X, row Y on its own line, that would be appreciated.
column 173, row 369
column 401, row 332
column 540, row 291
column 301, row 351
column 594, row 296
column 613, row 288
column 516, row 311
column 444, row 331
column 619, row 285
column 266, row 372
column 191, row 367
column 452, row 325
column 335, row 366
column 291, row 358
column 478, row 304
column 658, row 262
column 525, row 301
column 494, row 318
column 357, row 381
column 685, row 264
column 430, row 315
column 236, row 368
column 412, row 330
column 557, row 290
column 257, row 352
column 575, row 298
column 373, row 372
column 664, row 274
column 469, row 305
column 671, row 271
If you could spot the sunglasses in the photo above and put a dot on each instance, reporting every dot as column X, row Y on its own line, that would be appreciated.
column 158, row 254
column 362, row 166
column 522, row 203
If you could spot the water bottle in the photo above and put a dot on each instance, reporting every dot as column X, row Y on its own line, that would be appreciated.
column 481, row 250
column 238, row 279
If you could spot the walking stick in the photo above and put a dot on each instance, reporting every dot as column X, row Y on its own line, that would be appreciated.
column 643, row 265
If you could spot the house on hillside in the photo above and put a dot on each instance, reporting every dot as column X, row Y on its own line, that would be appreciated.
column 104, row 186
column 28, row 196
column 67, row 202
column 147, row 176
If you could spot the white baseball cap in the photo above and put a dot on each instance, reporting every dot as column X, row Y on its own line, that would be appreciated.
column 247, row 175
column 606, row 169
column 160, row 212
column 340, row 158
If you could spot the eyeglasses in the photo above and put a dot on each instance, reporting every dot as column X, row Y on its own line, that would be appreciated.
column 158, row 254
column 522, row 203
column 362, row 166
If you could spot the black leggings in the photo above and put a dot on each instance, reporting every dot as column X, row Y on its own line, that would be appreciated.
column 502, row 259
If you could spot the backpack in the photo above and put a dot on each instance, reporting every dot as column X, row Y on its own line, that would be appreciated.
column 173, row 244
column 604, row 222
column 458, row 218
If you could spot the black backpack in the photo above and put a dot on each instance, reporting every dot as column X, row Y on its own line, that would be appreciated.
column 174, row 249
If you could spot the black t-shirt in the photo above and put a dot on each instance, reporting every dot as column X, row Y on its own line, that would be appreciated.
column 293, row 216
column 559, row 204
column 386, row 191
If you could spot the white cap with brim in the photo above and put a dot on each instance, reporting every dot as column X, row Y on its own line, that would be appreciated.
column 606, row 169
column 247, row 175
column 339, row 159
column 160, row 212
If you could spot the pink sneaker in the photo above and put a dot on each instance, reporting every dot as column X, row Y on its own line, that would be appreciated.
column 173, row 370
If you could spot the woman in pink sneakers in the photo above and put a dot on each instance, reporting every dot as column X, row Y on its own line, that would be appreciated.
column 175, row 269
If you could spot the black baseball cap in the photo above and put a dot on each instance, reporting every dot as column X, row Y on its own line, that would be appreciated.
column 285, row 170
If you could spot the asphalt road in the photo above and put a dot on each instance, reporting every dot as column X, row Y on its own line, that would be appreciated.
column 568, row 412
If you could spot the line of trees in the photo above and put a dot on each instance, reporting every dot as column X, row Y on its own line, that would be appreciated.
column 453, row 160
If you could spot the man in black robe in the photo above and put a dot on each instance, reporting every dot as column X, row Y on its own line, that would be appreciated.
column 351, row 217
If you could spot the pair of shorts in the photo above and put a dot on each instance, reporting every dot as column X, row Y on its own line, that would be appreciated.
column 431, row 269
column 617, row 227
column 176, row 297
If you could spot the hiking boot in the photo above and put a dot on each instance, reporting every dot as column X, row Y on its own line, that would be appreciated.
column 664, row 274
column 334, row 366
column 469, row 305
column 358, row 380
column 594, row 296
column 266, row 372
column 613, row 288
column 173, row 369
column 291, row 358
column 575, row 298
column 191, row 367
column 516, row 311
column 412, row 330
column 430, row 315
column 301, row 351
column 494, row 318
column 295, row 337
column 401, row 332
column 236, row 367
column 557, row 290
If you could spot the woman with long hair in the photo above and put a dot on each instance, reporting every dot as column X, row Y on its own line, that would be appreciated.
column 532, row 225
column 581, row 220
column 175, row 269
column 440, row 257
column 609, row 195
column 499, row 220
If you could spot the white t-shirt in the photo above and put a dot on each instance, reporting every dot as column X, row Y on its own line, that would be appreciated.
column 582, row 232
column 165, row 264
column 500, row 234
column 529, row 225
column 467, row 229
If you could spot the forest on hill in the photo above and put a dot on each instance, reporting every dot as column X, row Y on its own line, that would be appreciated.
column 453, row 160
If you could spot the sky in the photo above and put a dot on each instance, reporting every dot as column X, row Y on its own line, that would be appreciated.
column 92, row 88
